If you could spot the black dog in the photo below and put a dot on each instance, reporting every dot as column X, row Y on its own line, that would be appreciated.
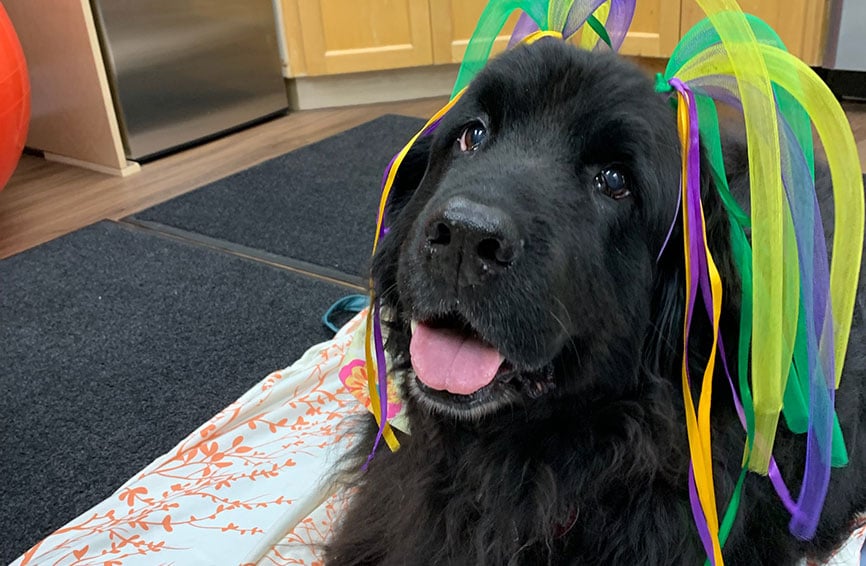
column 523, row 284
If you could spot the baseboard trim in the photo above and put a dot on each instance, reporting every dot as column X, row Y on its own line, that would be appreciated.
column 329, row 91
column 847, row 84
column 307, row 93
column 130, row 168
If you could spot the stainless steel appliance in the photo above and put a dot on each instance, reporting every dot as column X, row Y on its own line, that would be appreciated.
column 845, row 53
column 183, row 71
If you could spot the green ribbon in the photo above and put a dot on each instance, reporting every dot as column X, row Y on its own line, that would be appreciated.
column 702, row 37
column 599, row 28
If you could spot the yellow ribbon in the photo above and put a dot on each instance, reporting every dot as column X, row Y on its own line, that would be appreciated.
column 840, row 149
column 767, row 200
column 372, row 373
column 698, row 426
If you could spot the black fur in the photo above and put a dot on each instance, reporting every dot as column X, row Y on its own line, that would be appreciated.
column 592, row 470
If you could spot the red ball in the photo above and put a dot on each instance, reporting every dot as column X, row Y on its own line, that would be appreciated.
column 14, row 98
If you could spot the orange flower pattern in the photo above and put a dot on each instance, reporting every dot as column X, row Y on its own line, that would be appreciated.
column 249, row 487
column 232, row 489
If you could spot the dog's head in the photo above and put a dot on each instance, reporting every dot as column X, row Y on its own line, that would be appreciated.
column 522, row 256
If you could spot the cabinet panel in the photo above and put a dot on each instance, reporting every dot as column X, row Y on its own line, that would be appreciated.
column 345, row 36
column 654, row 31
column 800, row 23
column 453, row 22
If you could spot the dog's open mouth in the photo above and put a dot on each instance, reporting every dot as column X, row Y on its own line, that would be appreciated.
column 455, row 365
column 448, row 355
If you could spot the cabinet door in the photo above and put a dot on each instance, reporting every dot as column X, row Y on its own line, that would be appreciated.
column 346, row 36
column 453, row 22
column 655, row 29
column 800, row 23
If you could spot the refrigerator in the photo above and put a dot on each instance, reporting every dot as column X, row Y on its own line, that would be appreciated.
column 845, row 52
column 182, row 72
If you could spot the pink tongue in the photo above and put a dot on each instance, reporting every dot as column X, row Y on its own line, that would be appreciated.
column 446, row 360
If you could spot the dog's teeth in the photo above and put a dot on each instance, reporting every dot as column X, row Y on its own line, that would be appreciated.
column 413, row 325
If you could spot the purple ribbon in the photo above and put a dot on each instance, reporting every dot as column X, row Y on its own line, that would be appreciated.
column 698, row 275
column 697, row 513
column 378, row 343
column 381, row 383
column 814, row 279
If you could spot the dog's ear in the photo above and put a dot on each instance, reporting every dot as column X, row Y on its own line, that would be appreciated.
column 409, row 175
column 663, row 349
column 408, row 178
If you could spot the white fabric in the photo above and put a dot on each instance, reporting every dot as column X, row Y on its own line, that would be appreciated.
column 231, row 491
column 249, row 487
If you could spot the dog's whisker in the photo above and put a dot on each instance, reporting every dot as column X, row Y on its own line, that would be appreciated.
column 386, row 293
column 561, row 325
column 564, row 310
column 566, row 330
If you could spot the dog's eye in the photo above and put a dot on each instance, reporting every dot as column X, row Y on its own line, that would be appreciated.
column 613, row 183
column 472, row 137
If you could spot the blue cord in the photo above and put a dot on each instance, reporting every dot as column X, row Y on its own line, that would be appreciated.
column 350, row 303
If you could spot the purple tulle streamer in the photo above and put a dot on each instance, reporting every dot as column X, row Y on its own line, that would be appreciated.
column 525, row 25
column 619, row 21
column 814, row 269
column 814, row 280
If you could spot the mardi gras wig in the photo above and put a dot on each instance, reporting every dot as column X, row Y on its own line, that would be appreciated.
column 796, row 305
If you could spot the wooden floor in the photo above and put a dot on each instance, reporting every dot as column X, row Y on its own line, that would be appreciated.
column 44, row 200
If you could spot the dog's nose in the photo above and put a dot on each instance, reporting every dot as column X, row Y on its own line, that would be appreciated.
column 475, row 240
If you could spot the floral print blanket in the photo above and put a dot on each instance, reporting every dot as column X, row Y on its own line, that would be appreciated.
column 250, row 486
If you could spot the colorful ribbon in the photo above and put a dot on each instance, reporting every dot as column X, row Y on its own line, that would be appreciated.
column 565, row 17
column 701, row 274
column 377, row 371
column 796, row 313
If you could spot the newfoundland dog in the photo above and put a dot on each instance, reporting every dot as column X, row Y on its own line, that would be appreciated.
column 535, row 318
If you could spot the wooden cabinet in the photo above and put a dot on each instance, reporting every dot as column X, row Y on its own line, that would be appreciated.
column 800, row 23
column 654, row 30
column 345, row 36
column 453, row 23
column 329, row 37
